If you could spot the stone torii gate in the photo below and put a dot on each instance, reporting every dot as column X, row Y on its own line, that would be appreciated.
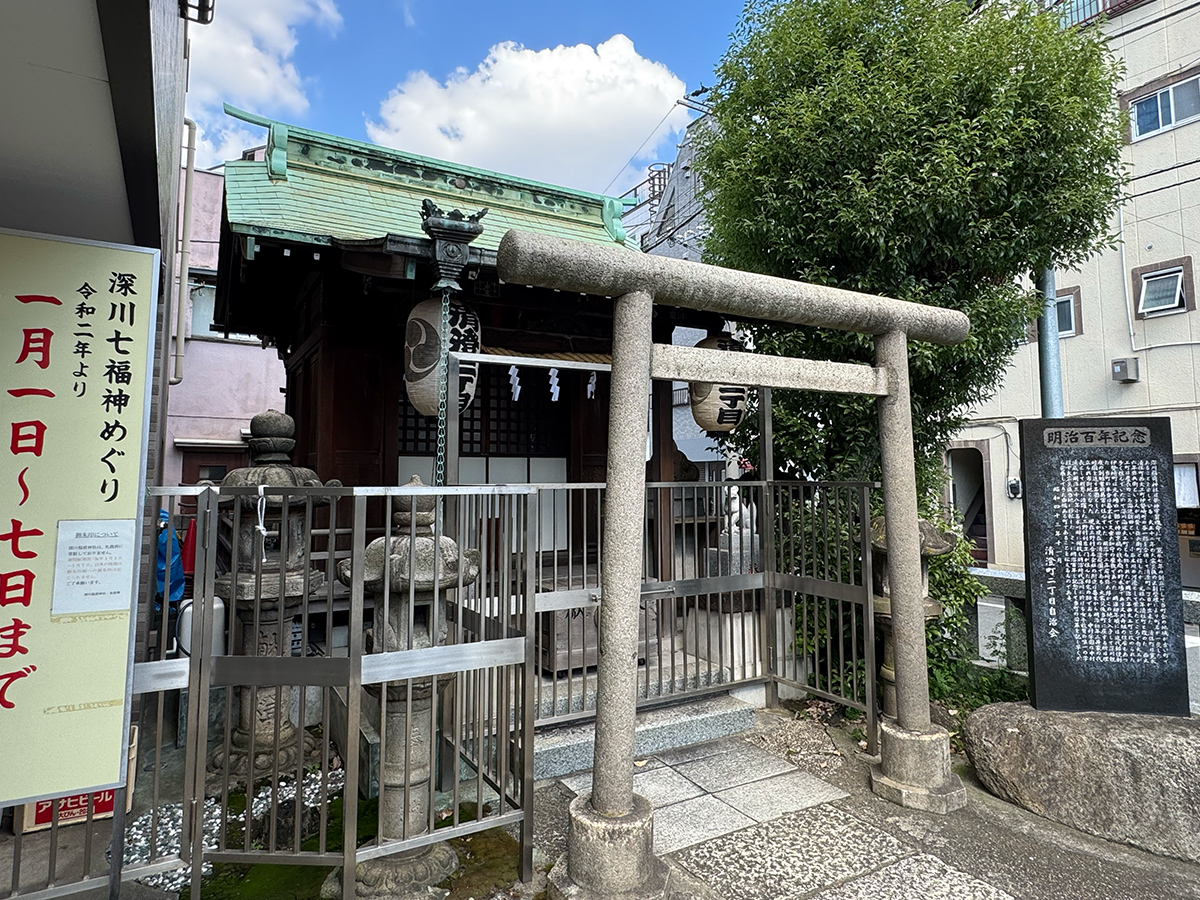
column 611, row 832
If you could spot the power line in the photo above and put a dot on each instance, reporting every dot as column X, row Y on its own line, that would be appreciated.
column 1163, row 171
column 675, row 230
column 653, row 131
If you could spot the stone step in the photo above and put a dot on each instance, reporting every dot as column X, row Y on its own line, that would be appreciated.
column 566, row 750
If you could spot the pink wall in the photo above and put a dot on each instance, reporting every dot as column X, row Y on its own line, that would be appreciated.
column 225, row 382
column 207, row 190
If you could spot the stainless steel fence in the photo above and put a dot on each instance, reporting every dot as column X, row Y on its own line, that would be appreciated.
column 336, row 660
column 822, row 582
column 322, row 666
column 701, row 626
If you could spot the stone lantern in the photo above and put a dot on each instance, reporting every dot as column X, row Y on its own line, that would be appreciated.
column 933, row 543
column 272, row 573
column 408, row 750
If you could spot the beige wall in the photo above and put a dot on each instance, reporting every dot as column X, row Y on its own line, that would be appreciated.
column 1161, row 221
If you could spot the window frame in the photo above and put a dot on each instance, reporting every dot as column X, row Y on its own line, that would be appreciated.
column 1169, row 83
column 1186, row 292
column 1073, row 294
column 1169, row 93
column 1073, row 297
column 1177, row 305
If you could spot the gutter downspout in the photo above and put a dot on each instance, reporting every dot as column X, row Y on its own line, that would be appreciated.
column 185, row 252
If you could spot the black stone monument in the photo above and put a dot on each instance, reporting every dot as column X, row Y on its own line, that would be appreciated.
column 1105, row 613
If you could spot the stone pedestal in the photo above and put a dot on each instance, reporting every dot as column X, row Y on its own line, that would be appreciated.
column 409, row 733
column 268, row 588
column 932, row 543
column 609, row 857
column 278, row 743
column 914, row 769
column 882, row 607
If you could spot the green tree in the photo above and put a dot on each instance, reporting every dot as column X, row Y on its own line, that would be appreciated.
column 920, row 149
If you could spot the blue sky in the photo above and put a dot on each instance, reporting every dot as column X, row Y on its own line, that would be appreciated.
column 543, row 89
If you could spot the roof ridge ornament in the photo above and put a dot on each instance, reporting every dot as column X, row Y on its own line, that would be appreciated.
column 451, row 233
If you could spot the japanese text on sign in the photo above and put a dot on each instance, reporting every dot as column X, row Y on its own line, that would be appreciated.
column 75, row 346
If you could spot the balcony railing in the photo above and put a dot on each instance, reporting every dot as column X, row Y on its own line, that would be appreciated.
column 1085, row 12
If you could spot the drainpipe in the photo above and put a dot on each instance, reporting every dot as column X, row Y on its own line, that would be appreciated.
column 1049, row 363
column 185, row 252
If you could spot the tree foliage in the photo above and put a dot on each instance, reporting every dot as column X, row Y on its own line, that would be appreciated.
column 919, row 149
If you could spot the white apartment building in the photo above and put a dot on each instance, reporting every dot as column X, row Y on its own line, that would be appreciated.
column 1128, row 325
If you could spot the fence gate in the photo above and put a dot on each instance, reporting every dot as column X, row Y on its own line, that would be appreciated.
column 358, row 686
column 372, row 629
column 820, row 575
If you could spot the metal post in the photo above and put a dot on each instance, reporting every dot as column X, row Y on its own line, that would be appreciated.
column 766, row 536
column 1049, row 363
column 903, row 536
column 117, row 859
column 616, row 671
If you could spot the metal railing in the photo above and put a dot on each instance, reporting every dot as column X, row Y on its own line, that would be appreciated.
column 823, row 584
column 1084, row 12
column 701, row 626
column 335, row 668
column 312, row 654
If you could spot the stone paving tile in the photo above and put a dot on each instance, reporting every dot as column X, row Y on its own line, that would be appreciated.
column 692, row 821
column 578, row 784
column 664, row 786
column 772, row 797
column 920, row 877
column 738, row 766
column 791, row 856
column 699, row 751
column 581, row 781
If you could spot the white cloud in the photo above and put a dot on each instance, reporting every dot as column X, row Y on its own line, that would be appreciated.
column 245, row 58
column 567, row 115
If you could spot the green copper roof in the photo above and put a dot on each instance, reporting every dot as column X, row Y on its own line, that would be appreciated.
column 327, row 188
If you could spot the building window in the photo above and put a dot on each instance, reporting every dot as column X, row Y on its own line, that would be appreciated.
column 1070, row 315
column 1162, row 292
column 1164, row 288
column 1070, row 312
column 1187, row 489
column 1175, row 105
column 1066, row 318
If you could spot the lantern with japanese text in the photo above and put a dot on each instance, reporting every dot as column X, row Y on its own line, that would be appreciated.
column 718, row 408
column 423, row 354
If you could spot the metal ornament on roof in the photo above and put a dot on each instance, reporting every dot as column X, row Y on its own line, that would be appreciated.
column 718, row 407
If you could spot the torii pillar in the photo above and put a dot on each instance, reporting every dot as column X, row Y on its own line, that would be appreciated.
column 610, row 841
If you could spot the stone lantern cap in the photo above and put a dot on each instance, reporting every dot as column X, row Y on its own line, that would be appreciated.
column 424, row 505
column 414, row 559
column 271, row 444
column 933, row 542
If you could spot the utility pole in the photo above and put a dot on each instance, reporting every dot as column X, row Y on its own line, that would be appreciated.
column 1049, row 364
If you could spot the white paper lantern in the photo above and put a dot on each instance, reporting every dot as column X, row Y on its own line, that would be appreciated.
column 423, row 354
column 718, row 407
